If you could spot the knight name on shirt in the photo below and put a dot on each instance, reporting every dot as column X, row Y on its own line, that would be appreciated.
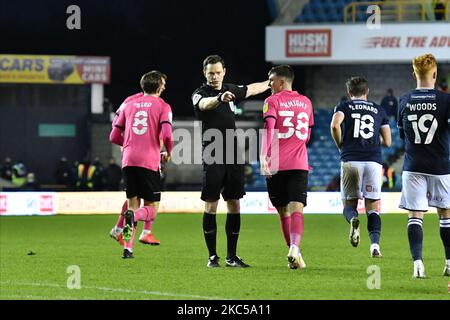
column 293, row 103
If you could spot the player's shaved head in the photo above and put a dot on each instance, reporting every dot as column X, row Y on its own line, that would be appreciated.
column 283, row 71
column 424, row 65
column 357, row 86
column 152, row 81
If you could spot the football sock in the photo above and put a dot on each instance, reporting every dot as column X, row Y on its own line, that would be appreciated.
column 415, row 237
column 140, row 214
column 146, row 214
column 374, row 226
column 129, row 245
column 121, row 221
column 296, row 228
column 445, row 236
column 210, row 231
column 150, row 217
column 349, row 213
column 286, row 228
column 232, row 227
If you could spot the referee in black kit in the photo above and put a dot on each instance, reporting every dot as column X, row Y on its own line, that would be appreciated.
column 214, row 104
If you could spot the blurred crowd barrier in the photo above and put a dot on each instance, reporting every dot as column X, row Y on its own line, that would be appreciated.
column 50, row 203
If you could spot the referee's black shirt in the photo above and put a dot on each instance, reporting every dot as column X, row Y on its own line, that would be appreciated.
column 222, row 117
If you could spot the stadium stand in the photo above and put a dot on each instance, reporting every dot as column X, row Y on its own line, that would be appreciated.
column 335, row 11
column 323, row 11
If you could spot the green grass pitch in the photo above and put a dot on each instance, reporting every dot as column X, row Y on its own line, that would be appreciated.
column 177, row 268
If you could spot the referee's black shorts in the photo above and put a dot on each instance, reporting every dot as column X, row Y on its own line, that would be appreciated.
column 286, row 186
column 142, row 183
column 227, row 179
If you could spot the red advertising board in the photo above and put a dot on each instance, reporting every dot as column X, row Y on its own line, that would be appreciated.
column 308, row 43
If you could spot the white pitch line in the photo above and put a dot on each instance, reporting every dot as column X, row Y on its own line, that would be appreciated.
column 31, row 297
column 145, row 292
column 18, row 294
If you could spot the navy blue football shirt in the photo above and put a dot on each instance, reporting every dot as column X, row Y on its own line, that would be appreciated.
column 424, row 120
column 361, row 130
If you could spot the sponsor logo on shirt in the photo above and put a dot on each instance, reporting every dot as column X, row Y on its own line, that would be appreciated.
column 423, row 96
column 232, row 106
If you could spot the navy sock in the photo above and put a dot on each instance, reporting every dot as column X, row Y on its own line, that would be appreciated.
column 445, row 235
column 232, row 227
column 349, row 213
column 374, row 226
column 210, row 231
column 415, row 237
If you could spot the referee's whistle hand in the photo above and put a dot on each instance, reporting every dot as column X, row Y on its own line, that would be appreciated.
column 227, row 96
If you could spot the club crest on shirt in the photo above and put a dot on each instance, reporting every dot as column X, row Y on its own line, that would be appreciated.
column 265, row 107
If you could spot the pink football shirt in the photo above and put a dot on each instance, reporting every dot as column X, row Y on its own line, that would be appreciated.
column 293, row 114
column 122, row 106
column 141, row 121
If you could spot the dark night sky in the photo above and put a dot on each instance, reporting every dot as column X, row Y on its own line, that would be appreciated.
column 141, row 35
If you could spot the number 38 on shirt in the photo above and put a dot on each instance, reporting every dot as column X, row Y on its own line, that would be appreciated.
column 302, row 123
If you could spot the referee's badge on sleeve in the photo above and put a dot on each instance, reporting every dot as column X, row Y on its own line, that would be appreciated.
column 196, row 98
column 265, row 107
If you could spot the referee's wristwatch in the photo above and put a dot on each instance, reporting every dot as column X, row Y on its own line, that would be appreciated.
column 219, row 97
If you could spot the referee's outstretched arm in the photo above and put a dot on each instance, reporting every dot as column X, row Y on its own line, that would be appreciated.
column 257, row 88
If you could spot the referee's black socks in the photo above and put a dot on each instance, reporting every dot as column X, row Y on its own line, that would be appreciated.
column 232, row 227
column 210, row 232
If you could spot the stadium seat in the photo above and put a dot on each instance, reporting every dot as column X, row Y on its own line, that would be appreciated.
column 316, row 6
column 307, row 8
column 361, row 16
column 305, row 17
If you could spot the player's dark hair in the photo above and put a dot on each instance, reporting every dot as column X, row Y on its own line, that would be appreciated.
column 151, row 81
column 357, row 86
column 284, row 71
column 213, row 59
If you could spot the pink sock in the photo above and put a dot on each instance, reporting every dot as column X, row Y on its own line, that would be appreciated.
column 151, row 215
column 286, row 228
column 296, row 228
column 129, row 245
column 146, row 214
column 121, row 221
